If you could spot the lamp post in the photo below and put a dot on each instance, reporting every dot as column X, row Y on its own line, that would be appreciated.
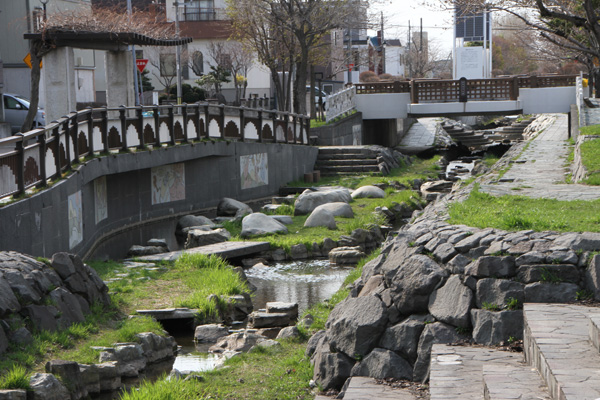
column 44, row 2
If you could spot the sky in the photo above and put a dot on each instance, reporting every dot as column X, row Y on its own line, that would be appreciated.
column 398, row 13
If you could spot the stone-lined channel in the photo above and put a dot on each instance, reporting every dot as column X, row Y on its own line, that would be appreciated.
column 303, row 282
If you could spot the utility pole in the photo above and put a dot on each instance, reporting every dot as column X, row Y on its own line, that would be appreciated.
column 382, row 44
column 349, row 49
column 178, row 53
column 135, row 71
column 409, row 58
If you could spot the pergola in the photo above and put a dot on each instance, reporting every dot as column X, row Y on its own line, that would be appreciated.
column 59, row 66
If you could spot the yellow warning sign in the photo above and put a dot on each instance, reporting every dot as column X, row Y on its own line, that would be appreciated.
column 27, row 60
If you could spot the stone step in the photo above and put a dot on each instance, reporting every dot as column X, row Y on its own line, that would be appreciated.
column 512, row 379
column 557, row 343
column 363, row 388
column 595, row 331
column 345, row 156
column 345, row 162
column 456, row 371
column 346, row 150
column 349, row 168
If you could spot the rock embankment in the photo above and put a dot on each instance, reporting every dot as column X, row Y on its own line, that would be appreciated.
column 37, row 296
column 442, row 283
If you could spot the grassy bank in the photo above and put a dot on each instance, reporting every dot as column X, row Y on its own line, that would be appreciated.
column 514, row 213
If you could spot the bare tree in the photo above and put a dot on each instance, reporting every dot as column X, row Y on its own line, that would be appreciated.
column 235, row 58
column 287, row 32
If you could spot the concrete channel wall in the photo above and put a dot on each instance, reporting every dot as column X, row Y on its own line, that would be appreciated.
column 120, row 192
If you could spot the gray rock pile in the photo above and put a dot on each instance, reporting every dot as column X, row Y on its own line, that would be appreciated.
column 36, row 296
column 441, row 283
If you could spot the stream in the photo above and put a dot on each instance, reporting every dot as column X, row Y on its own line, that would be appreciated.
column 302, row 282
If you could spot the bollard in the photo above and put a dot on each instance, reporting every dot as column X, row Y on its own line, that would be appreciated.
column 308, row 178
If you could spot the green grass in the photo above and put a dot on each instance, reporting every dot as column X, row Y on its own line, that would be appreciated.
column 489, row 160
column 590, row 157
column 514, row 213
column 590, row 130
column 16, row 378
column 363, row 218
column 265, row 373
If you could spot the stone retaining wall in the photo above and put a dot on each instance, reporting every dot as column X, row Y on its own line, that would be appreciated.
column 441, row 283
column 578, row 170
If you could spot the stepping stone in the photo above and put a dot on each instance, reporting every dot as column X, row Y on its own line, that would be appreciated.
column 512, row 379
column 363, row 388
column 557, row 343
column 456, row 371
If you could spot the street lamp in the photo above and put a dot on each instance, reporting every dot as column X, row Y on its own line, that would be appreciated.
column 44, row 2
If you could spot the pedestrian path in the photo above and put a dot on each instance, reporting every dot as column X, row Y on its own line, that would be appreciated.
column 541, row 168
column 420, row 136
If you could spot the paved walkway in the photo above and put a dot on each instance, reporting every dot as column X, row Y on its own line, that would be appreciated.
column 420, row 136
column 540, row 170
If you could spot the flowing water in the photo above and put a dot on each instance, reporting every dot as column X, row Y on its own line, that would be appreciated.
column 302, row 282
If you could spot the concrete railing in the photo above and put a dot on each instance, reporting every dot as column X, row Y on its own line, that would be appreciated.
column 30, row 159
column 341, row 103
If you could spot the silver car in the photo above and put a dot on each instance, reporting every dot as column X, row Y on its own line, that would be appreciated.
column 15, row 111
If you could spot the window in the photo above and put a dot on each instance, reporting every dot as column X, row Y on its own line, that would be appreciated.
column 12, row 104
column 198, row 63
column 139, row 54
column 168, row 65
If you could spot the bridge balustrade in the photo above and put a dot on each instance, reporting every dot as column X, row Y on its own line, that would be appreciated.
column 442, row 91
column 30, row 159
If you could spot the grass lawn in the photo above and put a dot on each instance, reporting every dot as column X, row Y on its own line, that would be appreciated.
column 590, row 157
column 518, row 212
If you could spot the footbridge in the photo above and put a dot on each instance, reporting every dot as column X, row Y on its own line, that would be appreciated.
column 429, row 97
column 98, row 180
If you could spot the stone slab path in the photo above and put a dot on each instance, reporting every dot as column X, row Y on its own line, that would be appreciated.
column 557, row 342
column 362, row 388
column 540, row 170
column 420, row 136
column 226, row 250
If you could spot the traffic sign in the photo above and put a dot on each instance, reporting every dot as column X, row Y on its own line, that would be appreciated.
column 141, row 64
column 27, row 60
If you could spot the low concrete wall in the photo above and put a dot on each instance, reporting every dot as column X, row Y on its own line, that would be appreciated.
column 121, row 191
column 346, row 132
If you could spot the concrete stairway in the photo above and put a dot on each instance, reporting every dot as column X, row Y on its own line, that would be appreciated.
column 467, row 138
column 561, row 360
column 346, row 160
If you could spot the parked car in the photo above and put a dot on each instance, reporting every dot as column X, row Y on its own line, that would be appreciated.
column 317, row 96
column 15, row 110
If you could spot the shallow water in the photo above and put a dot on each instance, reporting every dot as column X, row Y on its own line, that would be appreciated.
column 302, row 282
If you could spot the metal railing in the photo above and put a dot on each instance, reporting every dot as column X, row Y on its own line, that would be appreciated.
column 33, row 158
column 191, row 14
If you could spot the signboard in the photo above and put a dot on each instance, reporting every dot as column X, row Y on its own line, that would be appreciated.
column 469, row 25
column 350, row 66
column 27, row 60
column 141, row 64
column 462, row 90
column 469, row 63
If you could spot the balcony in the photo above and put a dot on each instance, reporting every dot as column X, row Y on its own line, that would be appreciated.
column 194, row 14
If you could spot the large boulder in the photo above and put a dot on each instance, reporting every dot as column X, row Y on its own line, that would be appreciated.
column 204, row 237
column 498, row 292
column 542, row 292
column 340, row 209
column 382, row 363
column 368, row 191
column 8, row 301
column 412, row 282
column 592, row 279
column 435, row 333
column 321, row 217
column 346, row 256
column 452, row 302
column 240, row 341
column 232, row 208
column 210, row 333
column 332, row 369
column 356, row 324
column 309, row 200
column 13, row 394
column 129, row 357
column 47, row 387
column 492, row 266
column 403, row 338
column 492, row 327
column 257, row 224
column 156, row 348
column 69, row 307
column 190, row 221
column 69, row 374
column 548, row 273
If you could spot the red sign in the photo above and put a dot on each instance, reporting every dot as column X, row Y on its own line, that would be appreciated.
column 141, row 64
column 350, row 66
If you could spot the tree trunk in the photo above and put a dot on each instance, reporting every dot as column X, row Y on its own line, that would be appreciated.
column 35, row 51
